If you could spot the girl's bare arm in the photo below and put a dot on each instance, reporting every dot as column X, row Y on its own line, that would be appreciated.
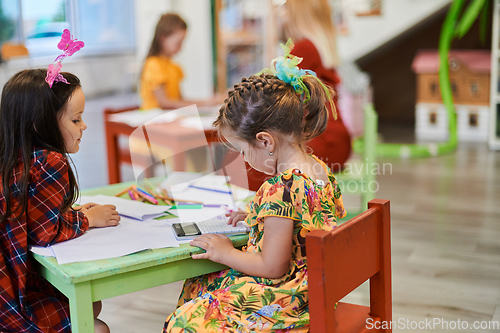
column 272, row 262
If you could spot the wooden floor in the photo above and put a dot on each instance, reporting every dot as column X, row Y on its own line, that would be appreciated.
column 445, row 237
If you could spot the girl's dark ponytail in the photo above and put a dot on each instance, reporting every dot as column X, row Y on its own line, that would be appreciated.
column 316, row 111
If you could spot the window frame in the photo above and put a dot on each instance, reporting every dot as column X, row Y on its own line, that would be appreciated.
column 73, row 20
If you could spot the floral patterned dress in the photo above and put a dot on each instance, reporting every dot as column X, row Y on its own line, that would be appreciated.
column 230, row 301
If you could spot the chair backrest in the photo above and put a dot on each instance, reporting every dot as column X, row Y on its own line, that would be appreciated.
column 10, row 50
column 340, row 260
column 110, row 111
column 370, row 138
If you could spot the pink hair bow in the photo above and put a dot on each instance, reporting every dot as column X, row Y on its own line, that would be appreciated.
column 69, row 46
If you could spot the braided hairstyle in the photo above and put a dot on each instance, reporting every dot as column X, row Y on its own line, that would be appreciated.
column 266, row 103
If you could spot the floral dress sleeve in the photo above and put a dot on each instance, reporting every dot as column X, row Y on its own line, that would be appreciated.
column 276, row 197
column 340, row 211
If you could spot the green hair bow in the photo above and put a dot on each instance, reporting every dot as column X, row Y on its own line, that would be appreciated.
column 286, row 69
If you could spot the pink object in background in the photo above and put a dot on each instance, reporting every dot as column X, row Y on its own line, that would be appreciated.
column 353, row 93
column 351, row 109
column 427, row 61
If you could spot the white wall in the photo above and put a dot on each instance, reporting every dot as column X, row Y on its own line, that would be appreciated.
column 369, row 32
column 195, row 57
column 147, row 14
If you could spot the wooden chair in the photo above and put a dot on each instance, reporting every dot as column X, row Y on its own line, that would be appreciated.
column 9, row 51
column 359, row 178
column 116, row 154
column 339, row 261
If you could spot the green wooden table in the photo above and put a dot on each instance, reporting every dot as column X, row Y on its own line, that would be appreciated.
column 87, row 282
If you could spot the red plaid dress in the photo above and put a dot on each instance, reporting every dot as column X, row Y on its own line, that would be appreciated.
column 28, row 303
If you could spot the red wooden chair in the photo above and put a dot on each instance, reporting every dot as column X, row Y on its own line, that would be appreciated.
column 116, row 154
column 339, row 261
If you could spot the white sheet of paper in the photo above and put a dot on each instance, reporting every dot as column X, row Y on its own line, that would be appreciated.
column 197, row 122
column 207, row 197
column 195, row 215
column 178, row 183
column 128, row 237
column 159, row 234
column 134, row 209
column 43, row 251
column 140, row 117
column 137, row 231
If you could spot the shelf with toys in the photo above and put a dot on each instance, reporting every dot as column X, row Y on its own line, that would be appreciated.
column 245, row 43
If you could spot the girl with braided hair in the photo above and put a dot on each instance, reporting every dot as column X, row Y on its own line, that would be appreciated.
column 268, row 118
column 309, row 24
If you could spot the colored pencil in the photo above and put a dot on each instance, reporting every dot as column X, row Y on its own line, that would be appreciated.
column 123, row 192
column 131, row 195
column 147, row 197
column 166, row 196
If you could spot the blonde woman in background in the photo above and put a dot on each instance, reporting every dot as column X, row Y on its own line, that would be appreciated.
column 309, row 24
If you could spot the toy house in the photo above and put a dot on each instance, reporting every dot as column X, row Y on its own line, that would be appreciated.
column 470, row 83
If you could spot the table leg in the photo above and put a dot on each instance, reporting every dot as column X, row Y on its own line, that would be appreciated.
column 80, row 308
column 180, row 161
column 114, row 159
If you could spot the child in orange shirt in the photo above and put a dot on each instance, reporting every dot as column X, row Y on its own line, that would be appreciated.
column 161, row 77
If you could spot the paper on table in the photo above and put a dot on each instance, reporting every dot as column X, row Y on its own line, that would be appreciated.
column 212, row 182
column 134, row 209
column 209, row 110
column 178, row 178
column 140, row 117
column 206, row 197
column 201, row 123
column 240, row 194
column 159, row 234
column 192, row 215
column 195, row 215
column 43, row 251
column 214, row 186
column 103, row 243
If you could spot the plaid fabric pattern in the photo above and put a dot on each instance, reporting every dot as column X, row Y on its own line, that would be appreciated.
column 28, row 303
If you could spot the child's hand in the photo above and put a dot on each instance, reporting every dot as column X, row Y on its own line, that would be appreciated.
column 87, row 206
column 101, row 215
column 216, row 247
column 236, row 216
